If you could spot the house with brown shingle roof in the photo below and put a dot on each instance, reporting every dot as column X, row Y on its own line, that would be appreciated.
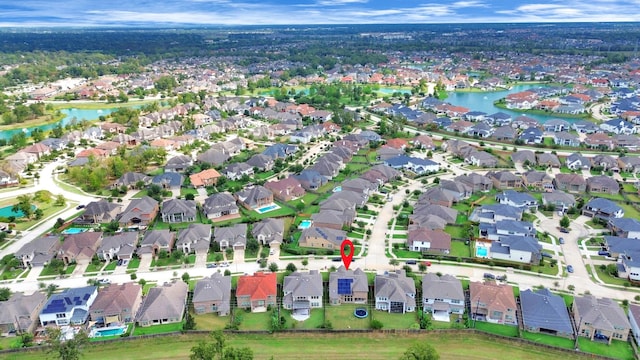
column 286, row 189
column 570, row 182
column 603, row 184
column 117, row 303
column 163, row 304
column 204, row 178
column 80, row 248
column 429, row 241
column 600, row 319
column 493, row 303
column 257, row 291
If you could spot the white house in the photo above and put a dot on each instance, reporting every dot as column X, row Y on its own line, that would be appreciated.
column 442, row 296
column 395, row 293
column 70, row 307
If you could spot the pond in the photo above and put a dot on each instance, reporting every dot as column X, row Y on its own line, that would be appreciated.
column 6, row 212
column 483, row 101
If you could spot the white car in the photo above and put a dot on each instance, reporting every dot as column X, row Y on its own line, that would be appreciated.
column 272, row 252
column 104, row 281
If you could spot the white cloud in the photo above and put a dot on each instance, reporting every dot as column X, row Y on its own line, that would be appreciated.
column 341, row 2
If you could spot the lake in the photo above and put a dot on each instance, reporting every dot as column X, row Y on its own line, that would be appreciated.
column 69, row 115
column 483, row 101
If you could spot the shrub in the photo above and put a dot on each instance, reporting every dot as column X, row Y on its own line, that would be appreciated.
column 376, row 325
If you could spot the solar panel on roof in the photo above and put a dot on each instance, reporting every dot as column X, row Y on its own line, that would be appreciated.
column 67, row 300
column 86, row 296
column 344, row 286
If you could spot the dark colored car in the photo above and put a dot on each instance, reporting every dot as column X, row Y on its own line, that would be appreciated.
column 564, row 230
column 603, row 253
column 489, row 276
column 547, row 255
column 569, row 268
column 336, row 259
column 80, row 207
column 411, row 262
column 561, row 240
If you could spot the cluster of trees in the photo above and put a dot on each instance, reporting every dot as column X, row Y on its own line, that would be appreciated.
column 20, row 112
column 218, row 348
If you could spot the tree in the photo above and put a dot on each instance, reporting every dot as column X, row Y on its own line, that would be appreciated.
column 185, row 277
column 305, row 262
column 394, row 263
column 23, row 205
column 291, row 267
column 273, row 267
column 376, row 324
column 189, row 196
column 5, row 294
column 51, row 288
column 565, row 222
column 420, row 351
column 60, row 201
column 218, row 349
column 66, row 349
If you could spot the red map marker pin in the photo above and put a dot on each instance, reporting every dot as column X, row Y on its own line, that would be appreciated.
column 346, row 259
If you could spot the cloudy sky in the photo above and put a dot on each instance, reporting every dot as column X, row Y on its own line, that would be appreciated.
column 275, row 12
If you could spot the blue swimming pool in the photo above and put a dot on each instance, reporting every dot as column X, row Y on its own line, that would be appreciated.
column 337, row 189
column 267, row 208
column 71, row 231
column 7, row 212
column 481, row 252
column 110, row 331
column 305, row 224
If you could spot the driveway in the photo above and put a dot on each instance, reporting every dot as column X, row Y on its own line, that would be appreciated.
column 238, row 256
column 145, row 262
column 201, row 260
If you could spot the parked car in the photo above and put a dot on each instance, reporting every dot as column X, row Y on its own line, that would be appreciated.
column 501, row 277
column 336, row 259
column 79, row 207
column 564, row 230
column 426, row 263
column 104, row 281
column 119, row 262
column 561, row 240
column 547, row 255
column 600, row 336
column 411, row 262
column 210, row 266
column 569, row 268
column 224, row 264
column 271, row 252
column 603, row 253
column 489, row 276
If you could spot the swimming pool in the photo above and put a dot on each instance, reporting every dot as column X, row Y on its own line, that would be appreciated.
column 71, row 231
column 109, row 331
column 481, row 252
column 305, row 224
column 267, row 208
column 7, row 212
column 337, row 189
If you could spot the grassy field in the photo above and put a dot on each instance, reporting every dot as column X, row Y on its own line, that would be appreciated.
column 341, row 317
column 549, row 340
column 313, row 322
column 323, row 346
column 254, row 321
column 158, row 329
column 498, row 329
column 395, row 321
column 211, row 321
column 617, row 349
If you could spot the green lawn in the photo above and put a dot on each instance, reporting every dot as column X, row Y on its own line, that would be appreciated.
column 375, row 346
column 341, row 317
column 157, row 329
column 111, row 266
column 613, row 197
column 499, row 329
column 455, row 231
column 549, row 339
column 395, row 321
column 91, row 268
column 211, row 321
column 315, row 321
column 617, row 349
column 134, row 263
column 406, row 254
column 254, row 321
column 460, row 249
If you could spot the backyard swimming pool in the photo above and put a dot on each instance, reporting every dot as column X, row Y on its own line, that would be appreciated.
column 305, row 224
column 481, row 252
column 267, row 208
column 109, row 331
column 72, row 231
column 337, row 189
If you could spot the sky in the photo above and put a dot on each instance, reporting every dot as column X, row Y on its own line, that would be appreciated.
column 38, row 13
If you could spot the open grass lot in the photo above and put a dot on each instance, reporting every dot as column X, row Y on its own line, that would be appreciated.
column 254, row 321
column 314, row 322
column 322, row 346
column 157, row 329
column 459, row 248
column 395, row 321
column 617, row 349
column 549, row 339
column 211, row 321
column 498, row 329
column 455, row 231
column 341, row 316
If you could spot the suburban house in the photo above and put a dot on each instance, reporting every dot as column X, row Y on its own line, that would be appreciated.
column 256, row 292
column 561, row 200
column 168, row 180
column 600, row 319
column 538, row 180
column 302, row 292
column 475, row 182
column 442, row 296
column 524, row 157
column 117, row 303
column 577, row 161
column 194, row 238
column 517, row 199
column 20, row 313
column 504, row 180
column 395, row 292
column 234, row 236
column 625, row 227
column 545, row 312
column 80, row 248
column 548, row 160
column 178, row 163
column 493, row 302
column 235, row 171
column 213, row 295
column 311, row 179
column 573, row 183
column 286, row 189
column 254, row 197
column 139, row 213
column 99, row 212
column 132, row 179
column 261, row 162
column 427, row 240
column 205, row 178
column 39, row 251
column 634, row 320
column 602, row 184
column 164, row 304
column 348, row 286
column 322, row 237
column 155, row 241
column 178, row 210
column 492, row 213
column 603, row 209
column 269, row 231
column 69, row 307
column 118, row 246
column 221, row 206
column 566, row 139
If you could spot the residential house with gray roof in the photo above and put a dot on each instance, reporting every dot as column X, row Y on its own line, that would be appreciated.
column 524, row 157
column 606, row 162
column 236, row 171
column 163, row 304
column 442, row 296
column 348, row 286
column 629, row 163
column 261, row 162
column 538, row 180
column 213, row 157
column 302, row 292
column 19, row 314
column 504, row 180
column 39, row 251
column 548, row 159
column 117, row 303
column 492, row 213
column 99, row 212
column 573, row 183
column 254, row 197
column 458, row 190
column 234, row 236
column 131, row 180
column 566, row 139
column 561, row 200
column 481, row 159
column 311, row 179
column 518, row 199
column 395, row 292
column 286, row 189
column 545, row 312
column 220, row 206
column 603, row 184
column 178, row 210
column 168, row 180
column 603, row 209
column 600, row 319
column 155, row 241
column 476, row 182
column 556, row 125
column 322, row 237
column 140, row 212
column 194, row 238
column 517, row 248
column 118, row 246
column 213, row 295
column 448, row 214
column 178, row 163
column 426, row 240
column 268, row 231
column 625, row 227
column 505, row 132
column 577, row 161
